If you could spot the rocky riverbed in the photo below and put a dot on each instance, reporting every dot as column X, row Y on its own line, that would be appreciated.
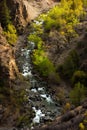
column 44, row 107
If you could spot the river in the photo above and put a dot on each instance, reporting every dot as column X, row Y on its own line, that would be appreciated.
column 45, row 108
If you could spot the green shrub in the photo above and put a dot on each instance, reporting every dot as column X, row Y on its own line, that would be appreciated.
column 64, row 17
column 11, row 28
column 36, row 39
column 11, row 34
column 54, row 19
column 37, row 28
column 81, row 126
column 49, row 24
column 79, row 76
column 42, row 63
column 66, row 107
column 40, row 60
column 77, row 94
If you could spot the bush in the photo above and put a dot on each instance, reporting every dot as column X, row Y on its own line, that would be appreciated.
column 37, row 27
column 81, row 126
column 11, row 34
column 42, row 63
column 49, row 24
column 79, row 76
column 36, row 39
column 64, row 17
column 40, row 60
column 54, row 19
column 77, row 95
column 66, row 107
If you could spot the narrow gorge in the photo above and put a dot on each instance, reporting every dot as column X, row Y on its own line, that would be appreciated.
column 43, row 65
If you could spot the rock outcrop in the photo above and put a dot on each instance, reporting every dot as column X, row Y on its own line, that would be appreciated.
column 23, row 11
column 8, row 68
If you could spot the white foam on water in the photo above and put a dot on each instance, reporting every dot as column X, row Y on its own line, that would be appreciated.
column 38, row 22
column 38, row 115
column 26, row 67
column 33, row 83
column 26, row 71
column 47, row 97
column 33, row 90
column 40, row 89
column 27, row 74
column 25, row 52
column 32, row 44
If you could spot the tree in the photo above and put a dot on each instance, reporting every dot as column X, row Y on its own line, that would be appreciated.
column 79, row 76
column 77, row 95
column 4, row 14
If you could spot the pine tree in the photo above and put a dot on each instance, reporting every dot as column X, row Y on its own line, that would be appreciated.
column 77, row 94
column 4, row 14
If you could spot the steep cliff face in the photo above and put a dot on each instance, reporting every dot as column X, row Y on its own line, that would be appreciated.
column 23, row 11
column 8, row 68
